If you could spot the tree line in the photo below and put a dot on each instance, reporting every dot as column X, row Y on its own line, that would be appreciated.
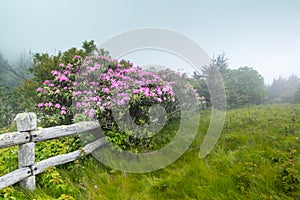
column 245, row 86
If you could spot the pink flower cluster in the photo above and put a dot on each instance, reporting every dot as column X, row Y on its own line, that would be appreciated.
column 100, row 89
column 102, row 83
column 54, row 93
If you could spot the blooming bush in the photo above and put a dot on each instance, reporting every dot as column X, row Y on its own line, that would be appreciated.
column 122, row 97
column 56, row 95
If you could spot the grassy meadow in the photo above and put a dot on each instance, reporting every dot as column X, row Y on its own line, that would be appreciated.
column 257, row 157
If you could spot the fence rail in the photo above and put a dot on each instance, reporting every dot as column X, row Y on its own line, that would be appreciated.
column 26, row 137
column 12, row 139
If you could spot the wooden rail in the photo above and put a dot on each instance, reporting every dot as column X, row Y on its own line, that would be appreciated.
column 26, row 137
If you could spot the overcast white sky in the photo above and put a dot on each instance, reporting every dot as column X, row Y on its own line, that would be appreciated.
column 264, row 35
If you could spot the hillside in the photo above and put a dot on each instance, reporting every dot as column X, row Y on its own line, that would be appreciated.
column 257, row 157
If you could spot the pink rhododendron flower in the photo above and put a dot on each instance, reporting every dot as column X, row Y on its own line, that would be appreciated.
column 40, row 105
column 151, row 94
column 136, row 91
column 62, row 78
column 75, row 93
column 69, row 66
column 40, row 89
column 86, row 104
column 105, row 90
column 76, row 58
column 48, row 104
column 158, row 91
column 55, row 72
column 91, row 113
column 46, row 82
column 171, row 93
column 121, row 102
column 67, row 72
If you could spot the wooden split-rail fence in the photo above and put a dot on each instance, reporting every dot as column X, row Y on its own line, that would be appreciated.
column 26, row 137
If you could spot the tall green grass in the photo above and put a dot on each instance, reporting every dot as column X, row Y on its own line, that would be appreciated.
column 257, row 157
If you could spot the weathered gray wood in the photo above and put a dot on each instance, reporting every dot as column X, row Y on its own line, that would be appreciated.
column 28, row 183
column 14, row 177
column 26, row 158
column 26, row 154
column 14, row 138
column 60, row 131
column 26, row 121
column 89, row 148
column 40, row 167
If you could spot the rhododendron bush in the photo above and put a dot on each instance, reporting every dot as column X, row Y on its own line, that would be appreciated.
column 122, row 97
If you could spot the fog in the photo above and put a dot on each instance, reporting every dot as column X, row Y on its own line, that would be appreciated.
column 259, row 34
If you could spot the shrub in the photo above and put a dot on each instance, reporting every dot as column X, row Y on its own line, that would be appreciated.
column 125, row 99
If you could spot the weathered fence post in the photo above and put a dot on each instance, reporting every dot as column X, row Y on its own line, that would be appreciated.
column 26, row 122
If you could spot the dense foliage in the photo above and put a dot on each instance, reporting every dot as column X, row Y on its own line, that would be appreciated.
column 112, row 91
column 245, row 86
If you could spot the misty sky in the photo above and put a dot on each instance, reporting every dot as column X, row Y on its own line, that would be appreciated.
column 261, row 34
